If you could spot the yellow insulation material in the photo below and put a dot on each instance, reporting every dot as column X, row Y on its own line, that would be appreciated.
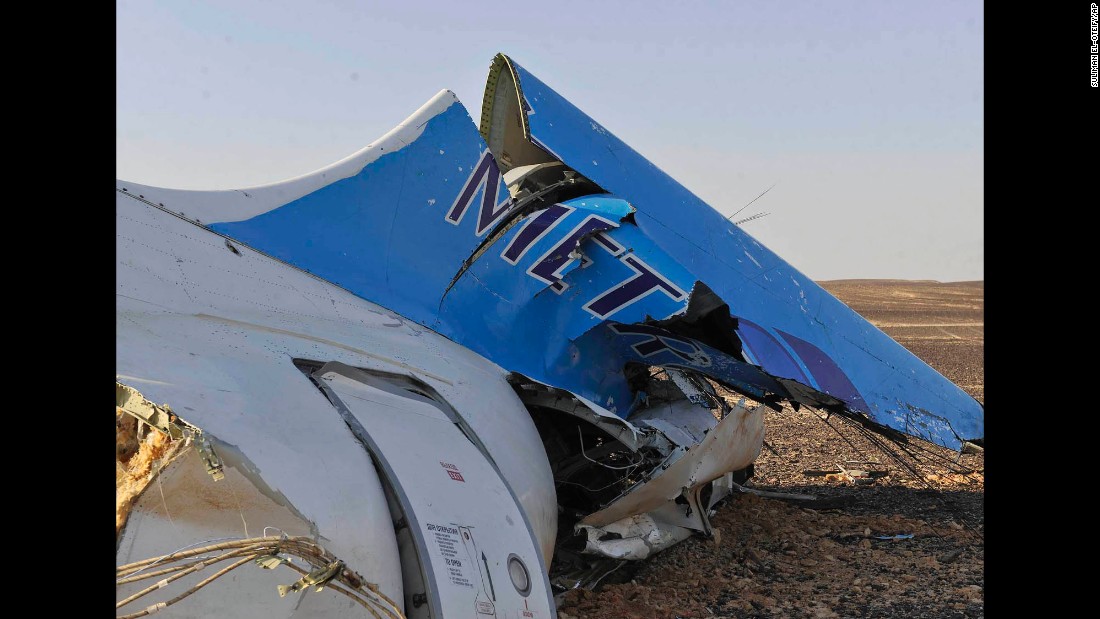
column 140, row 453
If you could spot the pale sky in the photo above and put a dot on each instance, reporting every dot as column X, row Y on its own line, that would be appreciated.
column 866, row 116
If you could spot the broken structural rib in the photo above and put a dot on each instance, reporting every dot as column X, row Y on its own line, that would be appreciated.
column 585, row 295
column 397, row 230
column 787, row 324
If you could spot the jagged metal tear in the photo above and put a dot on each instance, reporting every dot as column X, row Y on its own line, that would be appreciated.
column 397, row 230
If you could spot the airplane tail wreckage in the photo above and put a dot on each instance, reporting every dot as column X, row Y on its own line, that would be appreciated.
column 459, row 372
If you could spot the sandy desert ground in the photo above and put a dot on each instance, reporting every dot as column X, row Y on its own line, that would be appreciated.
column 775, row 558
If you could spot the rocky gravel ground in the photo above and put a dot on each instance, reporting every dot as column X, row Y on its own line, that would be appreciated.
column 823, row 559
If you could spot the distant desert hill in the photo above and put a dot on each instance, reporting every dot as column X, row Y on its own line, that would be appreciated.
column 770, row 558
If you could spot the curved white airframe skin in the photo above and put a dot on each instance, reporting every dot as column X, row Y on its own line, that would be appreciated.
column 212, row 328
column 226, row 205
column 320, row 403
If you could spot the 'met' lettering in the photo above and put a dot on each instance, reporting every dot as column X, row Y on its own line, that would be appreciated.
column 486, row 175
